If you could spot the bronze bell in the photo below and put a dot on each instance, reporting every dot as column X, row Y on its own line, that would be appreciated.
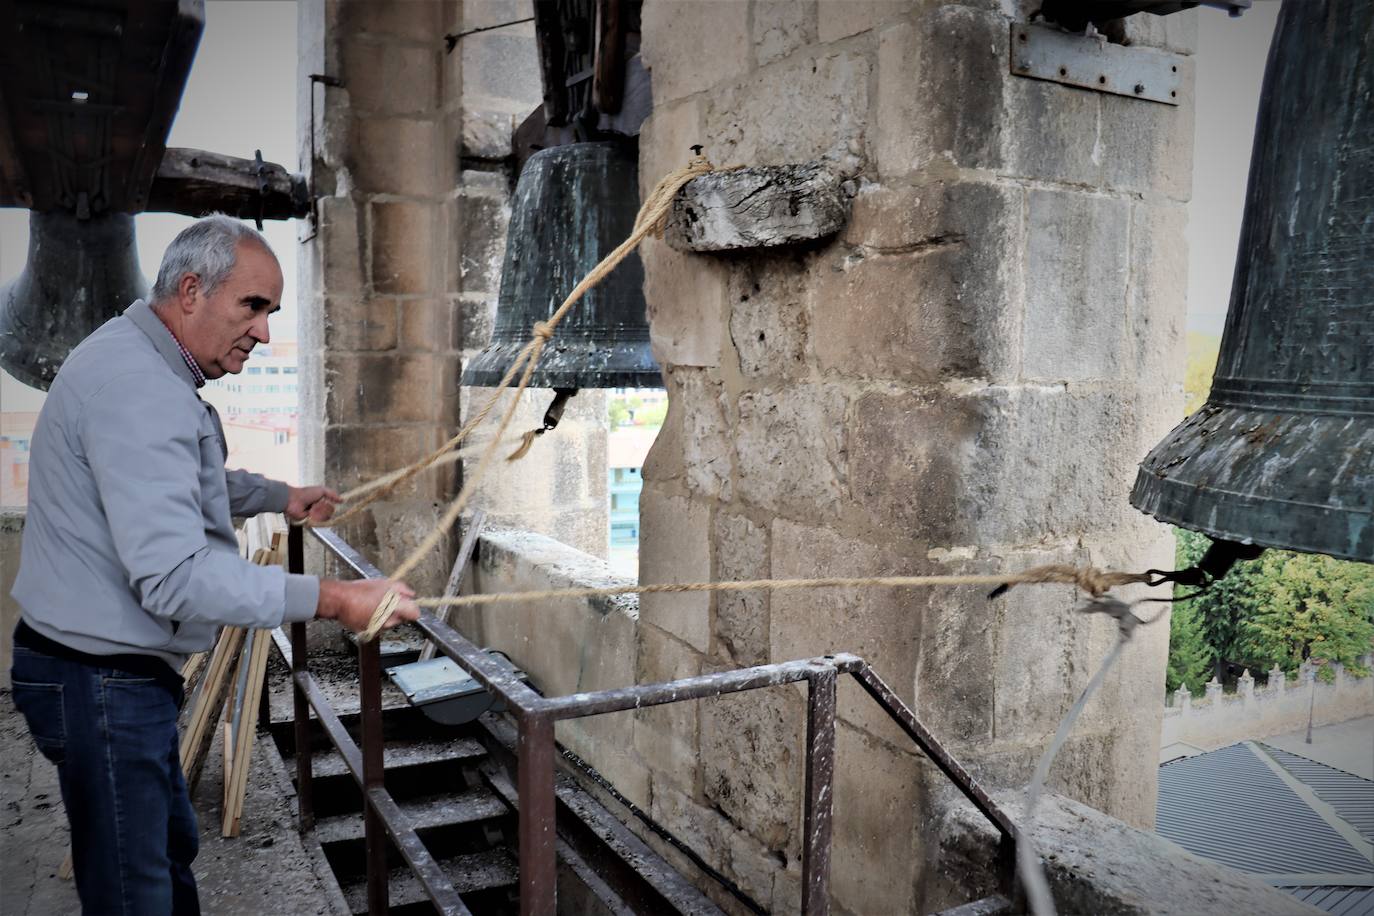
column 1282, row 453
column 79, row 274
column 572, row 206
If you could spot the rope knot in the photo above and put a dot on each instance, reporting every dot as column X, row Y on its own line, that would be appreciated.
column 543, row 330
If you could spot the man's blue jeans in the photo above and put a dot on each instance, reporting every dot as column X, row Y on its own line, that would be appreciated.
column 113, row 737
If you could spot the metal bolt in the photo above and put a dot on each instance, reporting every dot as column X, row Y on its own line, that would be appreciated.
column 1139, row 88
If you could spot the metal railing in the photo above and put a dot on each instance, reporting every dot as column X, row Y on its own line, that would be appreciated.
column 535, row 717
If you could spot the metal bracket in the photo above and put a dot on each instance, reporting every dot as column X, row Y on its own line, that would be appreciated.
column 1094, row 63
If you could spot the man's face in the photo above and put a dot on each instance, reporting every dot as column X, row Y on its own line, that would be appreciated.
column 224, row 326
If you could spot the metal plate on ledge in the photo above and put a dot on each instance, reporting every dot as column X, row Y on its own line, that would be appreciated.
column 445, row 692
column 1044, row 53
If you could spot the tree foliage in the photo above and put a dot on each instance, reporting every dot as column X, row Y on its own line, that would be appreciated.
column 1190, row 658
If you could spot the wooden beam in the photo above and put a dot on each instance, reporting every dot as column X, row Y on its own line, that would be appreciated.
column 14, row 185
column 760, row 207
column 196, row 182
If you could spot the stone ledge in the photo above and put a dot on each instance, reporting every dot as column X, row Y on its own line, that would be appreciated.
column 1096, row 864
column 760, row 207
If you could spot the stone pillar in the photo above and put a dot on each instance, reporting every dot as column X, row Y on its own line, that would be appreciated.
column 1214, row 695
column 1277, row 680
column 1183, row 700
column 1245, row 687
column 411, row 161
column 963, row 381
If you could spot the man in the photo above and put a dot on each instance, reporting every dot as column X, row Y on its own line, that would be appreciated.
column 130, row 561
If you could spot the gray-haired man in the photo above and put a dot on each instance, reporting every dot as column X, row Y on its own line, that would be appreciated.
column 130, row 561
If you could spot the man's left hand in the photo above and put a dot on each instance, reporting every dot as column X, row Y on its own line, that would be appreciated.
column 314, row 503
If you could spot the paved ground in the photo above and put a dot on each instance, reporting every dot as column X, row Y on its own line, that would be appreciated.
column 1347, row 746
column 264, row 870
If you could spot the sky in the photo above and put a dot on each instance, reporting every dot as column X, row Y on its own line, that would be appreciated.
column 239, row 98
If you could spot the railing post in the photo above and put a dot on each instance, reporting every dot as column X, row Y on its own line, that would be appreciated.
column 538, row 862
column 305, row 795
column 374, row 830
column 820, row 777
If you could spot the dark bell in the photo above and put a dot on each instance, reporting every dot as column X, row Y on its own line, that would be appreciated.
column 573, row 205
column 79, row 274
column 1282, row 453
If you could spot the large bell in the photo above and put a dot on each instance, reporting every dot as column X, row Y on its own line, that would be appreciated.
column 1282, row 453
column 573, row 205
column 80, row 273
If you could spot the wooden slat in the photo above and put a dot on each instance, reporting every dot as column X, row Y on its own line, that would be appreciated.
column 196, row 182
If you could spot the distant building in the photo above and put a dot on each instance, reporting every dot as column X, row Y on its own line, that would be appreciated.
column 16, row 431
column 267, row 385
column 626, row 449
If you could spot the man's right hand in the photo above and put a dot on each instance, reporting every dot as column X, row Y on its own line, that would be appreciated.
column 353, row 603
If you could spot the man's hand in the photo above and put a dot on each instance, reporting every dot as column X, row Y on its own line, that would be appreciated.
column 352, row 603
column 315, row 503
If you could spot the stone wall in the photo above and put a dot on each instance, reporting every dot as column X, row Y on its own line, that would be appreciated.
column 11, row 539
column 1220, row 718
column 399, row 273
column 962, row 382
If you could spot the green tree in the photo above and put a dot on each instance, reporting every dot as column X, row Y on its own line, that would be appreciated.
column 1313, row 606
column 617, row 414
column 1222, row 609
column 1202, row 362
column 1190, row 658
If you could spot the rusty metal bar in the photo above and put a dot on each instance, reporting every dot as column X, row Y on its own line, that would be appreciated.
column 534, row 785
column 305, row 786
column 483, row 668
column 906, row 719
column 370, row 715
column 436, row 884
column 820, row 778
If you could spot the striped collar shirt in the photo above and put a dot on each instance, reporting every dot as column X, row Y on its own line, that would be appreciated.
column 196, row 372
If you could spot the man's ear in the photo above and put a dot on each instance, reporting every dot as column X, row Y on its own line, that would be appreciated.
column 187, row 291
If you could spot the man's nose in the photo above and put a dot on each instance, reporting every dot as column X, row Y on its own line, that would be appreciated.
column 259, row 330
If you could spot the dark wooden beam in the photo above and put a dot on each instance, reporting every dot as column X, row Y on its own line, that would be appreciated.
column 14, row 186
column 196, row 182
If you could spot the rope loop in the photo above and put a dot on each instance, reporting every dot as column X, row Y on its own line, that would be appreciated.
column 543, row 330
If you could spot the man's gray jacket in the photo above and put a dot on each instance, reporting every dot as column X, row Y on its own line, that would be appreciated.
column 128, row 543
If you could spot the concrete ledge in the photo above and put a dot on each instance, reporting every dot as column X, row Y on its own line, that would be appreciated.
column 1096, row 864
column 763, row 207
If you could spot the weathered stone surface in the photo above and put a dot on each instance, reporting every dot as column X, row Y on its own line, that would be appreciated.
column 479, row 224
column 759, row 207
column 703, row 412
column 666, row 736
column 741, row 552
column 691, row 45
column 340, row 248
column 486, row 132
column 1077, row 263
column 397, row 155
column 501, row 64
column 1143, row 144
column 686, row 299
column 433, row 325
column 739, row 856
column 950, row 53
column 674, row 546
column 841, row 18
column 360, row 325
column 417, row 22
column 801, row 109
column 403, row 236
column 879, row 802
column 353, row 454
column 1159, row 304
column 753, row 755
column 781, row 27
column 950, row 271
column 770, row 315
column 387, row 388
column 1052, row 132
column 790, row 444
column 400, row 79
column 666, row 140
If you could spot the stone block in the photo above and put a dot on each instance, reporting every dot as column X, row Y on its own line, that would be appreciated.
column 387, row 78
column 359, row 324
column 1159, row 302
column 758, row 207
column 738, row 855
column 1146, row 148
column 838, row 19
column 476, row 317
column 753, row 763
column 400, row 525
column 798, row 110
column 502, row 65
column 880, row 807
column 996, row 465
column 665, row 737
column 955, row 693
column 340, row 246
column 397, row 156
column 480, row 223
column 942, row 301
column 686, row 296
column 479, row 13
column 781, row 27
column 389, row 388
column 704, row 415
column 1052, row 132
column 1077, row 268
column 741, row 552
column 666, row 140
column 770, row 315
column 354, row 454
column 790, row 446
column 691, row 45
column 429, row 325
column 674, row 546
column 1175, row 32
column 486, row 131
column 883, row 626
column 404, row 236
column 941, row 80
column 413, row 20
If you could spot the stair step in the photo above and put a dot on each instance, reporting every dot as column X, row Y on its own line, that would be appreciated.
column 399, row 755
column 425, row 813
column 479, row 871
